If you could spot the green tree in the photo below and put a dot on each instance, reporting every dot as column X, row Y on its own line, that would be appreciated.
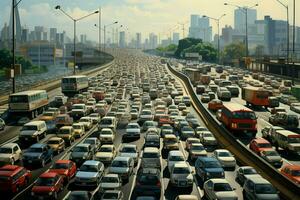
column 206, row 50
column 5, row 58
column 234, row 51
column 171, row 47
column 186, row 43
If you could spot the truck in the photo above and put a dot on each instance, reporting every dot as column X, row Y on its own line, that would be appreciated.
column 205, row 79
column 255, row 96
column 193, row 74
column 296, row 91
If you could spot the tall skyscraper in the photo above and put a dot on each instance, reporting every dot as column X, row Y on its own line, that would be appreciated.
column 83, row 38
column 200, row 28
column 25, row 35
column 176, row 38
column 138, row 40
column 153, row 41
column 18, row 28
column 240, row 19
column 122, row 40
column 53, row 32
column 5, row 33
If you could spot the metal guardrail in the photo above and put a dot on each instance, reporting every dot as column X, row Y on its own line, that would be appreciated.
column 55, row 83
column 287, row 188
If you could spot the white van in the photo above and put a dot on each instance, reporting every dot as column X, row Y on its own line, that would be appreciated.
column 108, row 122
column 33, row 131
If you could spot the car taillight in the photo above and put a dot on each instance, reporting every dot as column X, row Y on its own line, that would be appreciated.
column 158, row 184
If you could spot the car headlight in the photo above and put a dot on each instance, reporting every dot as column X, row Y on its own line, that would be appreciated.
column 84, row 157
column 50, row 193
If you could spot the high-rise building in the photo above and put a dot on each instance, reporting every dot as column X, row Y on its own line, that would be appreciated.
column 83, row 38
column 226, row 37
column 18, row 28
column 53, row 32
column 153, row 41
column 38, row 33
column 5, row 33
column 176, row 38
column 138, row 40
column 122, row 40
column 25, row 35
column 200, row 28
column 240, row 19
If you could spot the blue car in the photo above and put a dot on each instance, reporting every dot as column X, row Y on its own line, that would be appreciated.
column 38, row 154
column 208, row 167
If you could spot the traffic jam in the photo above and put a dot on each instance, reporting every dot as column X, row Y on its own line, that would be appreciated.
column 131, row 132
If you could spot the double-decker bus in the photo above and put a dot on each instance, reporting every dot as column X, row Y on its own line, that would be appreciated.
column 72, row 85
column 238, row 118
column 28, row 103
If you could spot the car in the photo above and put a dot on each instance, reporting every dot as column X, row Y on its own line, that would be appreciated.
column 181, row 175
column 37, row 154
column 48, row 185
column 286, row 120
column 151, row 158
column 32, row 132
column 106, row 153
column 107, row 135
column 152, row 140
column 243, row 173
column 225, row 158
column 186, row 132
column 148, row 182
column 259, row 188
column 13, row 178
column 65, row 168
column 173, row 157
column 170, row 142
column 79, row 130
column 112, row 195
column 215, row 105
column 217, row 188
column 10, row 153
column 196, row 150
column 57, row 144
column 186, row 100
column 2, row 124
column 67, row 133
column 79, row 194
column 292, row 172
column 207, row 138
column 87, row 122
column 190, row 141
column 133, row 130
column 272, row 157
column 80, row 153
column 208, row 167
column 205, row 98
column 166, row 129
column 110, row 182
column 89, row 174
column 94, row 142
column 259, row 144
column 277, row 109
column 95, row 118
column 134, row 114
column 181, row 106
column 129, row 150
column 123, row 166
column 145, row 115
column 149, row 124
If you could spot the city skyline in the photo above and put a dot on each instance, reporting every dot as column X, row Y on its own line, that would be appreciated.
column 159, row 20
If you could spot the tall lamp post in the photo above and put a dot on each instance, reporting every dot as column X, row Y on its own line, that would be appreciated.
column 218, row 23
column 58, row 7
column 105, row 26
column 287, row 31
column 245, row 10
column 13, row 67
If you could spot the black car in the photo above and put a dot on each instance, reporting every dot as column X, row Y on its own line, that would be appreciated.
column 80, row 153
column 148, row 182
column 152, row 140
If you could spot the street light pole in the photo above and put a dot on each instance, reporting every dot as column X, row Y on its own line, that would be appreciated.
column 13, row 47
column 105, row 32
column 74, row 60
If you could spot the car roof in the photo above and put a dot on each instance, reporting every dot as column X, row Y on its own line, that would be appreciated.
column 122, row 158
column 258, row 180
column 206, row 159
column 83, row 145
column 112, row 175
column 128, row 145
column 180, row 164
column 55, row 138
column 151, row 150
column 293, row 167
column 9, row 170
column 107, row 145
column 9, row 145
column 219, row 180
column 48, row 175
column 187, row 197
column 37, row 145
column 175, row 153
column 63, row 161
column 91, row 162
column 34, row 123
column 261, row 140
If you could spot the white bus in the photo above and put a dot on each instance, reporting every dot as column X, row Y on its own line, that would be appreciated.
column 30, row 103
column 71, row 85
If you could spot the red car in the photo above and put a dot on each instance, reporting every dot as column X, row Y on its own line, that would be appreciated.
column 165, row 119
column 47, row 186
column 65, row 168
column 292, row 172
column 259, row 144
column 13, row 178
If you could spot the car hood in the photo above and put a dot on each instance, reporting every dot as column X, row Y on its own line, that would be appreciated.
column 109, row 185
column 118, row 169
column 77, row 110
column 198, row 152
column 274, row 158
column 78, row 154
column 131, row 155
column 133, row 130
column 226, row 159
column 82, row 174
column 59, row 171
column 267, row 196
column 104, row 155
column 214, row 170
column 42, row 189
column 28, row 133
column 183, row 176
column 226, row 195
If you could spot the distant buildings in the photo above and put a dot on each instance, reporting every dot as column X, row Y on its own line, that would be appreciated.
column 138, row 41
column 200, row 28
column 122, row 40
column 176, row 38
column 240, row 19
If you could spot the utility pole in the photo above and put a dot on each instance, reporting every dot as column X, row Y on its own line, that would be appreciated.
column 13, row 47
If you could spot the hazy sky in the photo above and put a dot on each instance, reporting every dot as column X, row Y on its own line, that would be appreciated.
column 144, row 16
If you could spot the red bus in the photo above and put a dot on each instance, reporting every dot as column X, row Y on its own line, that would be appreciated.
column 238, row 118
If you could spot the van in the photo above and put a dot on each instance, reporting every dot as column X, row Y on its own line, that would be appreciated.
column 287, row 140
column 33, row 132
column 108, row 122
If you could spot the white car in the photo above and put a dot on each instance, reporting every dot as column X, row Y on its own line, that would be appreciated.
column 10, row 153
column 107, row 135
column 181, row 106
column 225, row 158
column 133, row 130
column 87, row 122
column 110, row 182
column 106, row 153
column 181, row 175
column 196, row 150
column 129, row 150
column 95, row 117
column 218, row 188
column 173, row 157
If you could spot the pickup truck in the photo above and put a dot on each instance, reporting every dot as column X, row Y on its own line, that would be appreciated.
column 37, row 154
column 288, row 121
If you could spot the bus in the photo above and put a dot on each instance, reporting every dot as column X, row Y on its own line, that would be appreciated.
column 238, row 118
column 28, row 103
column 72, row 85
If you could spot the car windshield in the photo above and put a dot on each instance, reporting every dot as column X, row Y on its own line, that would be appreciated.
column 35, row 150
column 197, row 148
column 77, row 127
column 207, row 135
column 176, row 158
column 84, row 120
column 78, row 196
column 49, row 114
column 64, row 131
column 128, row 150
column 148, row 179
column 295, row 172
column 294, row 140
column 106, row 179
column 224, row 154
column 264, row 145
column 250, row 171
column 29, row 128
column 105, row 132
column 53, row 142
column 150, row 155
column 265, row 189
column 106, row 121
column 60, row 166
column 271, row 153
column 89, row 142
column 89, row 168
column 5, row 150
column 78, row 107
column 212, row 164
column 118, row 163
column 222, row 187
column 45, row 181
column 80, row 149
column 110, row 195
column 132, row 126
column 105, row 149
column 244, row 115
column 181, row 170
column 152, row 138
column 146, row 112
